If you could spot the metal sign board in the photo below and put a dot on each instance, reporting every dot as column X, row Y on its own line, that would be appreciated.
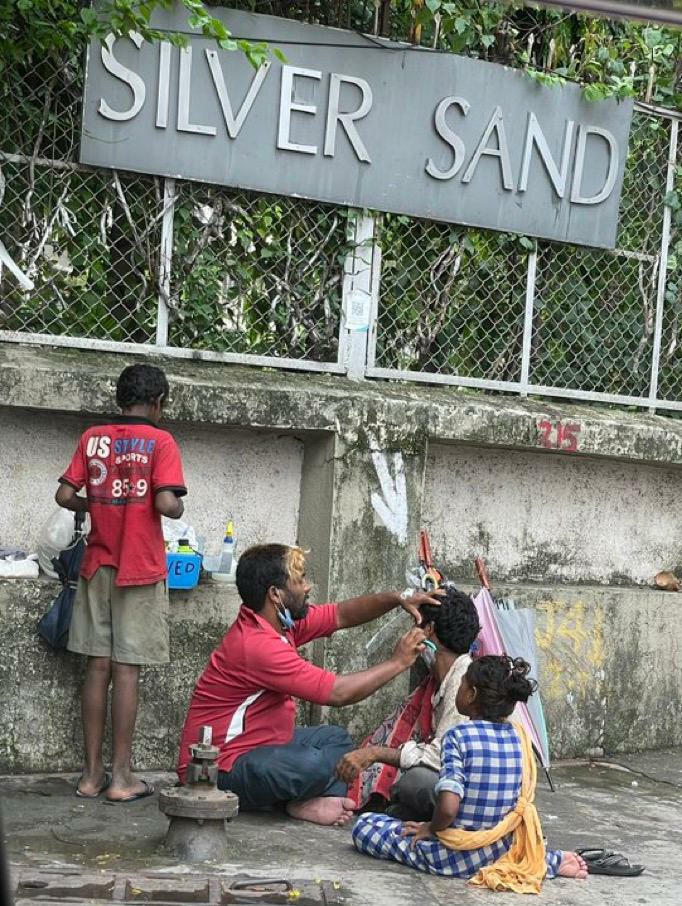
column 360, row 122
column 667, row 12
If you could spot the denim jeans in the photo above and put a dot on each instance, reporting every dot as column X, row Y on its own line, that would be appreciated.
column 268, row 776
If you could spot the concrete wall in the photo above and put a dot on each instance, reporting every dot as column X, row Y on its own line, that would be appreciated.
column 39, row 689
column 550, row 517
column 608, row 657
column 361, row 468
column 252, row 477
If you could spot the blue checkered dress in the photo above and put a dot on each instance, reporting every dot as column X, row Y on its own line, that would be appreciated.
column 481, row 762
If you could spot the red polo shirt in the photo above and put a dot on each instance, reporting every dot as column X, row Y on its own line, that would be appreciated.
column 123, row 465
column 246, row 693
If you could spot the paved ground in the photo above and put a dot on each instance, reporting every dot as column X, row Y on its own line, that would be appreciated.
column 634, row 813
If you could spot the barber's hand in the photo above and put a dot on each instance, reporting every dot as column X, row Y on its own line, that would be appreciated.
column 353, row 763
column 409, row 647
column 418, row 830
column 418, row 599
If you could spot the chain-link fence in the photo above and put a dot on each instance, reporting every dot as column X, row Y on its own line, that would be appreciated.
column 490, row 310
column 113, row 260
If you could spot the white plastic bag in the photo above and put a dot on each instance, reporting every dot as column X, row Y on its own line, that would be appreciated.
column 55, row 536
column 175, row 529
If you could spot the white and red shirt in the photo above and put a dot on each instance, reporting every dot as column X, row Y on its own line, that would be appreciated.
column 246, row 693
column 122, row 466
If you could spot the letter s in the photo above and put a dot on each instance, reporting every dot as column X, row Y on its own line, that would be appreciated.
column 449, row 137
column 104, row 447
column 119, row 71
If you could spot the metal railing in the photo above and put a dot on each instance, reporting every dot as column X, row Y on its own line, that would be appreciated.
column 115, row 261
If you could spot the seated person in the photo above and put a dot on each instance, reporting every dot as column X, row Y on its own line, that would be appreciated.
column 452, row 629
column 246, row 693
column 485, row 826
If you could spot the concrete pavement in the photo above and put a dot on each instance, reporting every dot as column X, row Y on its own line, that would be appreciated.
column 594, row 805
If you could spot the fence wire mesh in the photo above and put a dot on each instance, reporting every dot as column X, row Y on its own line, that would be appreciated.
column 256, row 274
column 670, row 367
column 452, row 301
column 89, row 245
column 250, row 275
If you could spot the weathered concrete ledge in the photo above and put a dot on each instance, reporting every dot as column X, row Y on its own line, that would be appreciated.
column 597, row 648
column 217, row 394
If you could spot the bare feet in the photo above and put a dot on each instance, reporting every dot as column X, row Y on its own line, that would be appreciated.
column 573, row 866
column 128, row 787
column 336, row 810
column 91, row 785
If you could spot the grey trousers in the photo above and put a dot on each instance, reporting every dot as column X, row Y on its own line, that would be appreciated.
column 412, row 795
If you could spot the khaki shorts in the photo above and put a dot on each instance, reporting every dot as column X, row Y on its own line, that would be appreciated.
column 127, row 623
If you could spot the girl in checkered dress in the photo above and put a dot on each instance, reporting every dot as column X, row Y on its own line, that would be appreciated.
column 480, row 782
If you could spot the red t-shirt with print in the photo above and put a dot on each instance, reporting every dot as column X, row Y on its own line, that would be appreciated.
column 246, row 693
column 123, row 465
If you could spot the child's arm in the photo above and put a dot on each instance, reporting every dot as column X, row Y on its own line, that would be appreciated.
column 450, row 789
column 446, row 810
column 67, row 497
column 168, row 504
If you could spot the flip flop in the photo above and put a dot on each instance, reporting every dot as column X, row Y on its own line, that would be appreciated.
column 105, row 786
column 147, row 791
column 607, row 862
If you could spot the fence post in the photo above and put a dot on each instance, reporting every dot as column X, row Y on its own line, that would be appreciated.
column 359, row 296
column 165, row 261
column 662, row 270
column 528, row 320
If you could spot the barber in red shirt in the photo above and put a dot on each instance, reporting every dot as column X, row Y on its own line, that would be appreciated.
column 132, row 475
column 247, row 691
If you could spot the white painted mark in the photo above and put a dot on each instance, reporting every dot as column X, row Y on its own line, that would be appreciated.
column 391, row 505
column 13, row 268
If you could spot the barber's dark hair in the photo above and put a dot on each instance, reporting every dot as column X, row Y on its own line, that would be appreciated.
column 500, row 683
column 141, row 385
column 259, row 568
column 455, row 622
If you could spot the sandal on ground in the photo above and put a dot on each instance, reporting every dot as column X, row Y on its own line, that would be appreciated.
column 147, row 791
column 606, row 862
column 105, row 786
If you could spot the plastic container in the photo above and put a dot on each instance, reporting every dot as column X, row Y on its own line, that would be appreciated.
column 227, row 555
column 183, row 569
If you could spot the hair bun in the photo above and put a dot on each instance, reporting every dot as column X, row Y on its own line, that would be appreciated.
column 517, row 685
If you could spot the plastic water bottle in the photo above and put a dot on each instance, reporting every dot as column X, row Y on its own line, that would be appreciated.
column 227, row 555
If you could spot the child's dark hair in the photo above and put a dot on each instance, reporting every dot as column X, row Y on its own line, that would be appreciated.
column 141, row 385
column 500, row 683
column 455, row 621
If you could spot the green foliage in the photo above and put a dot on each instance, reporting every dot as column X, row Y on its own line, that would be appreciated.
column 257, row 274
column 34, row 29
column 263, row 275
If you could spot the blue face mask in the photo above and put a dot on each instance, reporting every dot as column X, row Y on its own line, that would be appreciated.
column 285, row 618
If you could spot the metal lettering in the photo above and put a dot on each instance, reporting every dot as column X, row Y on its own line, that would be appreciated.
column 449, row 137
column 164, row 85
column 535, row 135
column 121, row 72
column 614, row 159
column 234, row 124
column 496, row 124
column 287, row 105
column 347, row 120
column 184, row 89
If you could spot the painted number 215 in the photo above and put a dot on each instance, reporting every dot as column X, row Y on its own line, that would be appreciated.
column 559, row 435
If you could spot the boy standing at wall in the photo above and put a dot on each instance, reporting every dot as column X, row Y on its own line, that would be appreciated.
column 132, row 475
